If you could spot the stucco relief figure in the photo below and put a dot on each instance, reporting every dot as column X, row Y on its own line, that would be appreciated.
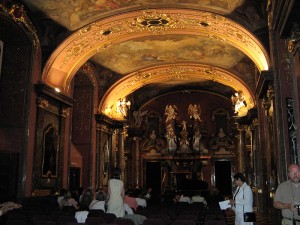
column 184, row 135
column 239, row 102
column 171, row 113
column 138, row 117
column 123, row 106
column 198, row 146
column 153, row 142
column 221, row 141
column 194, row 111
column 171, row 138
column 196, row 141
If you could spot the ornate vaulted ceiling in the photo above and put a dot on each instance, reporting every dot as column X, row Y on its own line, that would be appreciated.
column 167, row 44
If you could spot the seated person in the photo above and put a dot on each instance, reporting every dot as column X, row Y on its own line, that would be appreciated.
column 62, row 193
column 7, row 206
column 69, row 200
column 128, row 210
column 99, row 201
column 182, row 198
column 131, row 201
column 141, row 202
column 198, row 198
column 147, row 195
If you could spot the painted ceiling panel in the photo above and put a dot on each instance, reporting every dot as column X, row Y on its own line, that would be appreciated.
column 129, row 37
column 74, row 14
column 139, row 53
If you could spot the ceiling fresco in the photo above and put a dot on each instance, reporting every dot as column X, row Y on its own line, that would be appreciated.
column 74, row 14
column 139, row 53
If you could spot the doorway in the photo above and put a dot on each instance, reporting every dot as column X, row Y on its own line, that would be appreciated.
column 74, row 178
column 223, row 180
column 153, row 177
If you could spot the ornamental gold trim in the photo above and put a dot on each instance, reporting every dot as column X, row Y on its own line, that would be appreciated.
column 166, row 74
column 86, row 42
column 17, row 13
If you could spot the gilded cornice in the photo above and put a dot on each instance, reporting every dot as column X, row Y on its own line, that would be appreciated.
column 17, row 13
column 169, row 74
column 89, row 40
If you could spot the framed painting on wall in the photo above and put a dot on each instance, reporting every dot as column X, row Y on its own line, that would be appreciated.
column 50, row 152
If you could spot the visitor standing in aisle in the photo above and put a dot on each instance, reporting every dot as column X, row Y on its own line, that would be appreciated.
column 116, row 194
column 287, row 197
column 242, row 199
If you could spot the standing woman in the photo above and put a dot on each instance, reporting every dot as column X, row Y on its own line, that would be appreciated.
column 242, row 199
column 115, row 194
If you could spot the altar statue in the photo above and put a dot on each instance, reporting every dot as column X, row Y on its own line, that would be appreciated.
column 194, row 112
column 171, row 113
column 196, row 141
column 172, row 139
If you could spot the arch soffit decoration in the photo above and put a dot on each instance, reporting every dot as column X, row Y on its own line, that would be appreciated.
column 170, row 74
column 88, row 41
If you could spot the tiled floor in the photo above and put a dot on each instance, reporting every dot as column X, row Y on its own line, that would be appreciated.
column 270, row 217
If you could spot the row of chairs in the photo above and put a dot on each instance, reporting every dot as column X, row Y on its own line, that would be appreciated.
column 172, row 214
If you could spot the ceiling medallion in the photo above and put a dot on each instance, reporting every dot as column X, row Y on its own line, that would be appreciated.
column 151, row 20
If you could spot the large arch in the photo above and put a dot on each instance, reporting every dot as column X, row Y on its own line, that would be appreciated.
column 86, row 42
column 168, row 74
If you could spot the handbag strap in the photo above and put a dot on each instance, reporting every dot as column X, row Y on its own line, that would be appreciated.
column 243, row 198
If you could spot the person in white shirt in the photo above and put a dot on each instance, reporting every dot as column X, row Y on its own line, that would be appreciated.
column 141, row 202
column 99, row 201
column 242, row 200
column 198, row 198
column 182, row 198
column 7, row 206
column 62, row 192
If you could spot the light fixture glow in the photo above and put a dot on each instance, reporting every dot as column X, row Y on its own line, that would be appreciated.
column 57, row 90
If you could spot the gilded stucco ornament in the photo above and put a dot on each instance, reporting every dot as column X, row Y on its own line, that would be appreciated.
column 17, row 13
column 174, row 74
column 100, row 35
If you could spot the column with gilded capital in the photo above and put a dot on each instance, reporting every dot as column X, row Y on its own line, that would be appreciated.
column 137, row 161
column 256, row 177
column 99, row 170
column 121, row 156
column 241, row 149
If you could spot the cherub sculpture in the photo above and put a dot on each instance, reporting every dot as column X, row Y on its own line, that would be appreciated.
column 239, row 101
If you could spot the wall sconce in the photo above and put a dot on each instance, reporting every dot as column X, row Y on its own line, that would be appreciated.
column 123, row 106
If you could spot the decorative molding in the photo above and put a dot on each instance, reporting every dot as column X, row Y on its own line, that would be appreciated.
column 17, row 13
column 45, row 90
column 98, row 36
column 171, row 73
column 42, row 103
column 65, row 112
